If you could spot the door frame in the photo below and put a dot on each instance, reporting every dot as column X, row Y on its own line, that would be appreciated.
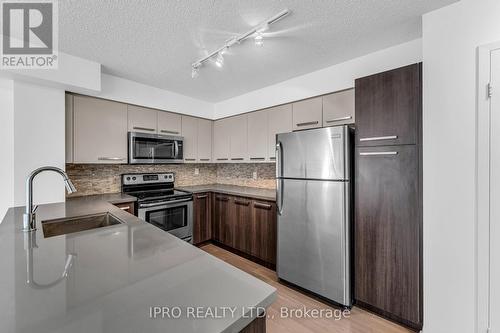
column 482, row 204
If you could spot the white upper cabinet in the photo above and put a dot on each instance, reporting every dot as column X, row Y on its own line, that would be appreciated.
column 279, row 121
column 190, row 134
column 169, row 123
column 204, row 140
column 338, row 108
column 308, row 114
column 221, row 145
column 100, row 131
column 238, row 138
column 258, row 136
column 142, row 120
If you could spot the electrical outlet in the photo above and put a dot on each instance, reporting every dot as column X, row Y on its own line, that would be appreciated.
column 196, row 171
column 254, row 175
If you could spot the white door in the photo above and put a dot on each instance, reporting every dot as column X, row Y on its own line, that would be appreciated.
column 494, row 227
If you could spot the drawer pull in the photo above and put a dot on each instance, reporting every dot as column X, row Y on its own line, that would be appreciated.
column 190, row 159
column 169, row 132
column 272, row 158
column 262, row 205
column 125, row 208
column 243, row 203
column 382, row 153
column 308, row 123
column 222, row 198
column 378, row 138
column 257, row 158
column 237, row 159
column 201, row 196
column 110, row 158
column 144, row 129
column 339, row 119
column 222, row 159
column 204, row 159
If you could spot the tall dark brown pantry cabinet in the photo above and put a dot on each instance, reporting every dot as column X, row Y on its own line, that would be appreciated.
column 388, row 195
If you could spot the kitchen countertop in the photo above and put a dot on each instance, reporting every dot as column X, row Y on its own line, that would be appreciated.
column 117, row 273
column 244, row 191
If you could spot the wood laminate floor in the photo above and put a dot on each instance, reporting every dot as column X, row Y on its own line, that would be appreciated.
column 359, row 321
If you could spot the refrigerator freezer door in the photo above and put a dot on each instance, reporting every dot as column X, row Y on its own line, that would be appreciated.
column 313, row 154
column 313, row 238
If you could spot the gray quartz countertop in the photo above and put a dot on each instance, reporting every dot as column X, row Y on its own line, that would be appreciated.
column 108, row 279
column 244, row 191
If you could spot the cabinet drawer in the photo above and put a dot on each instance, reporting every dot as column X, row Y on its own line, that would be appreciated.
column 388, row 107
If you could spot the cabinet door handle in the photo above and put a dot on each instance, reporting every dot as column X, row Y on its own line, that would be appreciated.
column 201, row 196
column 222, row 198
column 190, row 159
column 378, row 138
column 381, row 153
column 144, row 129
column 257, row 158
column 204, row 159
column 222, row 159
column 243, row 203
column 262, row 205
column 169, row 132
column 125, row 208
column 110, row 158
column 237, row 159
column 308, row 123
column 339, row 119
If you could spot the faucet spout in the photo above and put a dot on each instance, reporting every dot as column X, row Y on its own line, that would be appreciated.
column 29, row 217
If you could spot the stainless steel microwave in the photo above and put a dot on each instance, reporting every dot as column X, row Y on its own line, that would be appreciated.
column 145, row 148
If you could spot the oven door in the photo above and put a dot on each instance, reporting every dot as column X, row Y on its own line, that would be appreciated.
column 175, row 217
column 152, row 148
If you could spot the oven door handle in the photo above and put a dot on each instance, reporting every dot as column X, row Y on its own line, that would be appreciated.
column 164, row 203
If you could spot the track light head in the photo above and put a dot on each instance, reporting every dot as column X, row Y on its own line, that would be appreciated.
column 259, row 39
column 195, row 72
column 219, row 61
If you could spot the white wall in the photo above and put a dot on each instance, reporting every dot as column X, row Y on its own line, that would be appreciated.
column 450, row 38
column 327, row 80
column 38, row 140
column 6, row 145
column 127, row 91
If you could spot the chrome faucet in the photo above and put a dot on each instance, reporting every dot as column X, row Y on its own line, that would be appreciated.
column 29, row 217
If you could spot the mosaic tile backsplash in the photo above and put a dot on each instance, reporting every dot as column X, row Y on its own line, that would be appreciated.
column 105, row 178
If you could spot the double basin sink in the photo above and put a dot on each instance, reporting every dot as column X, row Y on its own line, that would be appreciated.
column 70, row 225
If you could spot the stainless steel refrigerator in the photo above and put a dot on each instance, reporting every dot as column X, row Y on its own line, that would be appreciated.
column 314, row 211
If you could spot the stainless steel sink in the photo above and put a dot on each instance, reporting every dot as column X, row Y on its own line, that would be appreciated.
column 70, row 225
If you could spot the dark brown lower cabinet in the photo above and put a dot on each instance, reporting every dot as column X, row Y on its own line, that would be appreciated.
column 222, row 217
column 242, row 219
column 202, row 217
column 245, row 224
column 264, row 233
column 388, row 233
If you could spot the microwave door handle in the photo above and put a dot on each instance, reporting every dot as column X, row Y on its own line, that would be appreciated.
column 176, row 148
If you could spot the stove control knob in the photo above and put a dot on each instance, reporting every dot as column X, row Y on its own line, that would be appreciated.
column 133, row 178
column 128, row 178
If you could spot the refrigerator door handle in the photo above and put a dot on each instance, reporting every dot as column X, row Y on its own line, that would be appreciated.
column 279, row 187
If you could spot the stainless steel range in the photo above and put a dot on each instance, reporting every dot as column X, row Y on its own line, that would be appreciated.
column 160, row 204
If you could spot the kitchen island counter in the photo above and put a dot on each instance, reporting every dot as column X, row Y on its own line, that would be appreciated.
column 114, row 278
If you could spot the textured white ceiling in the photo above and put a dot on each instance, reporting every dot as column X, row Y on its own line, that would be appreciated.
column 155, row 41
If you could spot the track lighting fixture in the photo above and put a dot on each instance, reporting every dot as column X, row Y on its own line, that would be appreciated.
column 256, row 33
